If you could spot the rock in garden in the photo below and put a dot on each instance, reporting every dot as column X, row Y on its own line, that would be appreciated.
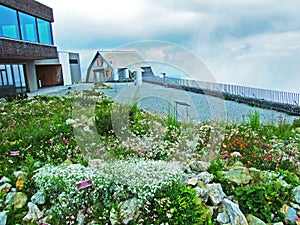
column 223, row 218
column 129, row 212
column 215, row 193
column 235, row 215
column 295, row 206
column 38, row 198
column 278, row 223
column 289, row 212
column 33, row 212
column 20, row 200
column 3, row 218
column 252, row 220
column 193, row 182
column 205, row 177
column 9, row 200
column 238, row 175
column 202, row 192
column 199, row 166
column 5, row 188
column 5, row 180
column 296, row 192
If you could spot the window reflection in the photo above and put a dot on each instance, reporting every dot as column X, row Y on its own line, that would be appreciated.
column 9, row 75
column 45, row 34
column 9, row 23
column 28, row 27
column 17, row 75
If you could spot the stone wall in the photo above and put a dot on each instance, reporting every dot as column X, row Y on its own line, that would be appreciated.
column 21, row 50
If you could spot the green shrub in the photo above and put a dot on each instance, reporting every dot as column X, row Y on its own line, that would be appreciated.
column 254, row 119
column 103, row 116
column 177, row 204
column 138, row 121
column 262, row 201
column 296, row 123
column 173, row 128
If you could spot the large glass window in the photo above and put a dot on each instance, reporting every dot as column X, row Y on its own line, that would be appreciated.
column 4, row 77
column 28, row 27
column 9, row 75
column 22, row 76
column 45, row 32
column 17, row 75
column 9, row 23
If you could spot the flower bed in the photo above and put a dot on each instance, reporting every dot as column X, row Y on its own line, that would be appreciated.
column 147, row 173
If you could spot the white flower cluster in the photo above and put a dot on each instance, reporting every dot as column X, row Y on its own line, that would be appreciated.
column 149, row 147
column 60, row 185
column 142, row 177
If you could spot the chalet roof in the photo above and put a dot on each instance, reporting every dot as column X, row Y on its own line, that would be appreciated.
column 123, row 59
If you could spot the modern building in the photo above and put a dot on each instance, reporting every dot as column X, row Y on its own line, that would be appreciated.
column 66, row 69
column 26, row 46
column 116, row 66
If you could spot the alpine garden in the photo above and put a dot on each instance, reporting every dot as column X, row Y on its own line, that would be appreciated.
column 78, row 160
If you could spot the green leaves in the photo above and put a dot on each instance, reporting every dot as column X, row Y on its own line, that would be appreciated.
column 262, row 201
column 176, row 204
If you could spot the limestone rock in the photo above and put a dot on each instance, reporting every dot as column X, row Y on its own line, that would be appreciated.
column 128, row 210
column 234, row 213
column 199, row 166
column 33, row 212
column 205, row 177
column 223, row 218
column 215, row 193
column 202, row 192
column 20, row 199
column 296, row 192
column 238, row 175
column 295, row 206
column 9, row 199
column 252, row 220
column 5, row 188
column 193, row 182
column 278, row 223
column 289, row 212
column 5, row 180
column 38, row 198
column 3, row 218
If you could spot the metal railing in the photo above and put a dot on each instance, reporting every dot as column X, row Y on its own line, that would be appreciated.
column 249, row 92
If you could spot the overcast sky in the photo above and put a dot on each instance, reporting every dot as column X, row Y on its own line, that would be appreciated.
column 247, row 42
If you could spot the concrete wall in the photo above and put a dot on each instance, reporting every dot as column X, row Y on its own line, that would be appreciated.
column 33, row 85
column 66, row 70
column 75, row 68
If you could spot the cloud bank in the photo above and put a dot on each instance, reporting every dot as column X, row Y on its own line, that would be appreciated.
column 247, row 42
